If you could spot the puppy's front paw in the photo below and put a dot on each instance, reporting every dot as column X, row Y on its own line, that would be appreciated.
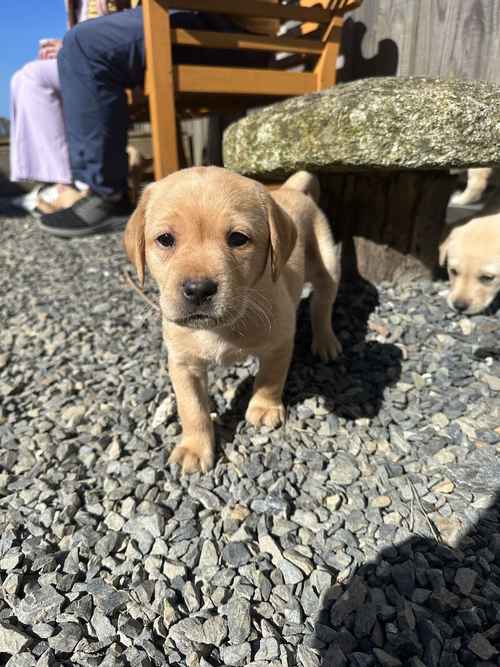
column 326, row 346
column 193, row 455
column 272, row 415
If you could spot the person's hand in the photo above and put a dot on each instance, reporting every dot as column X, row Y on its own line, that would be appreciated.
column 49, row 48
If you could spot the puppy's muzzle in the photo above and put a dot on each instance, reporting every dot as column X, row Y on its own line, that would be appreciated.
column 199, row 292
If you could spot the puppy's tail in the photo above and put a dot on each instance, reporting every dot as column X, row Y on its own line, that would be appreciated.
column 304, row 182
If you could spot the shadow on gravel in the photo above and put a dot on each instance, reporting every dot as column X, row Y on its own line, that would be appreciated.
column 494, row 307
column 8, row 209
column 227, row 425
column 353, row 385
column 486, row 347
column 419, row 604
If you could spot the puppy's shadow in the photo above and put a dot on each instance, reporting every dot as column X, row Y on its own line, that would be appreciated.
column 353, row 385
column 233, row 418
column 494, row 307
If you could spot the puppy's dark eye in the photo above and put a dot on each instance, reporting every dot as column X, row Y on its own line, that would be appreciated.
column 453, row 272
column 166, row 240
column 486, row 279
column 237, row 239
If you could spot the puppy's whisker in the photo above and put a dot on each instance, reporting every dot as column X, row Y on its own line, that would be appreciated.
column 264, row 308
column 261, row 311
column 149, row 314
column 237, row 319
column 253, row 307
column 259, row 295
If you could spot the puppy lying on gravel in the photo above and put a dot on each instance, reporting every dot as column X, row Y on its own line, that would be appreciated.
column 230, row 261
column 472, row 254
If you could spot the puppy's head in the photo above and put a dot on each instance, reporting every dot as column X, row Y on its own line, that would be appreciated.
column 208, row 236
column 472, row 255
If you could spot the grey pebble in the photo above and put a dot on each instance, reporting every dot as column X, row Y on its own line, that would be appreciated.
column 12, row 639
column 236, row 554
column 238, row 620
column 237, row 655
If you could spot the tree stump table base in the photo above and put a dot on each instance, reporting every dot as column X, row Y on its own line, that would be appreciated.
column 390, row 223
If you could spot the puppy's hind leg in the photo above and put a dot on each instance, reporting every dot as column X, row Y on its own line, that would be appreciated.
column 322, row 270
column 477, row 182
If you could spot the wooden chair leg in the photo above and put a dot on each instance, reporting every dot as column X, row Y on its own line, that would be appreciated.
column 161, row 91
column 326, row 68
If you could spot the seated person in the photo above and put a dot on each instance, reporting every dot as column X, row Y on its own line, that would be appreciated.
column 97, row 63
column 39, row 150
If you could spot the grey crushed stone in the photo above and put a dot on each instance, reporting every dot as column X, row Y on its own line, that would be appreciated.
column 366, row 532
column 12, row 640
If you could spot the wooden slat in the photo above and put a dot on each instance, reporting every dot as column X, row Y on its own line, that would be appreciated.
column 337, row 9
column 161, row 89
column 196, row 105
column 241, row 81
column 343, row 5
column 219, row 40
column 432, row 38
column 254, row 9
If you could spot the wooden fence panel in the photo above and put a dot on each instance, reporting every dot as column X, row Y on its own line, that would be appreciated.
column 438, row 38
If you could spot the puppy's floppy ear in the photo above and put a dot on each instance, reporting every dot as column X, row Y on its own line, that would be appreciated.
column 282, row 236
column 133, row 239
column 443, row 248
column 443, row 252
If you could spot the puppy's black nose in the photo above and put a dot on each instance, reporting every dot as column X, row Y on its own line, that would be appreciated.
column 199, row 291
column 460, row 305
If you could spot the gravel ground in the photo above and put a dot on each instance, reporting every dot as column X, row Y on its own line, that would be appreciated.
column 365, row 532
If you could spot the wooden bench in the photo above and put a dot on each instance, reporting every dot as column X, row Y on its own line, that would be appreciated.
column 176, row 91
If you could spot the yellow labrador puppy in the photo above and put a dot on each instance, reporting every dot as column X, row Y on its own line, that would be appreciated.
column 230, row 261
column 472, row 254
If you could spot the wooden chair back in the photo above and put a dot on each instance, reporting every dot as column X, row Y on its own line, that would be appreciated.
column 176, row 90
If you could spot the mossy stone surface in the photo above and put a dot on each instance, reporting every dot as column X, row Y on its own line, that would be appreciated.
column 378, row 123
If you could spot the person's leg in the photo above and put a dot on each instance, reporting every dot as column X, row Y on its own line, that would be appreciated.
column 98, row 61
column 39, row 151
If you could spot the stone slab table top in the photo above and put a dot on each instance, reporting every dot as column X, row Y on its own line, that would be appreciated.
column 391, row 123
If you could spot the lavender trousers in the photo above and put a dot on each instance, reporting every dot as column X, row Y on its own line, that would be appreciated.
column 38, row 148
